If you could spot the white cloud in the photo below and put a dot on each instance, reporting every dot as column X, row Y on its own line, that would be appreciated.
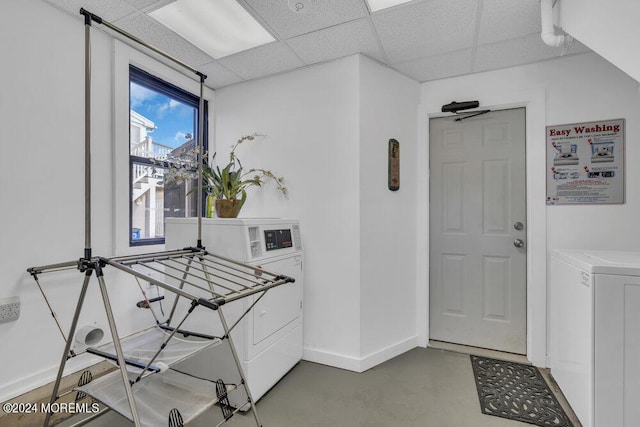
column 181, row 137
column 169, row 107
column 139, row 95
column 162, row 109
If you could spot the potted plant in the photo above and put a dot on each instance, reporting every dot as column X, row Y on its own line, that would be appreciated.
column 228, row 185
column 225, row 187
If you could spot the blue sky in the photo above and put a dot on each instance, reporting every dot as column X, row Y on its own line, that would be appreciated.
column 172, row 118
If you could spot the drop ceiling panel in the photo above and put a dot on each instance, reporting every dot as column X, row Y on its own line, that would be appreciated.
column 426, row 28
column 324, row 13
column 509, row 53
column 159, row 36
column 336, row 42
column 108, row 10
column 218, row 75
column 144, row 4
column 424, row 39
column 437, row 67
column 261, row 61
column 508, row 19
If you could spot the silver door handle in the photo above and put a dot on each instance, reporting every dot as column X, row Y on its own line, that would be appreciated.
column 518, row 243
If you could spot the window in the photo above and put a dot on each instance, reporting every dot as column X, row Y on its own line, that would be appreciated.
column 163, row 125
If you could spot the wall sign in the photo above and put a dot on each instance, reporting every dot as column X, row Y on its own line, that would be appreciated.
column 394, row 165
column 585, row 163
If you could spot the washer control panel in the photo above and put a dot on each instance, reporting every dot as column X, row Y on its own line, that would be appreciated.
column 278, row 239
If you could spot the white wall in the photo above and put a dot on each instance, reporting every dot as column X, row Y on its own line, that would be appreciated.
column 310, row 118
column 42, row 186
column 577, row 88
column 388, row 103
column 41, row 176
column 609, row 28
column 328, row 128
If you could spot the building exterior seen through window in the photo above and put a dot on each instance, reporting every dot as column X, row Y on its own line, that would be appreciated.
column 163, row 127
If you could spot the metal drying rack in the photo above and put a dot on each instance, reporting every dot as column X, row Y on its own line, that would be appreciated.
column 156, row 394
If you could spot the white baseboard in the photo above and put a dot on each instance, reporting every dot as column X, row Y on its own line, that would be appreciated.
column 46, row 376
column 382, row 355
column 359, row 364
column 328, row 358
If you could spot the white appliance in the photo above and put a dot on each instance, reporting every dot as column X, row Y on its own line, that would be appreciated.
column 269, row 339
column 594, row 346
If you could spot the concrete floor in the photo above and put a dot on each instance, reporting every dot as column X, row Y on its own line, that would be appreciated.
column 423, row 387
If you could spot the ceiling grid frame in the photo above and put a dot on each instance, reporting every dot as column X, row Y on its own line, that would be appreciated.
column 456, row 41
column 476, row 36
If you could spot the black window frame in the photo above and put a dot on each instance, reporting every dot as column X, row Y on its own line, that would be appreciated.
column 149, row 81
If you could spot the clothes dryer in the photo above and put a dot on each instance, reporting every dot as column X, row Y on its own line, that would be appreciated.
column 269, row 339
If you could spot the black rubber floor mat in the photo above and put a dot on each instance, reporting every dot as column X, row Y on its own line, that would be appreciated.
column 516, row 391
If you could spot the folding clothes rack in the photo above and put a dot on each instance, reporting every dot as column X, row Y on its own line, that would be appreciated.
column 146, row 389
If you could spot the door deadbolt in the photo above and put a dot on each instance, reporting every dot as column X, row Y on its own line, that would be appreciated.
column 518, row 226
column 518, row 243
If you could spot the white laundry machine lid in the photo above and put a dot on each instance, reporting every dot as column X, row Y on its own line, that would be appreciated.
column 602, row 262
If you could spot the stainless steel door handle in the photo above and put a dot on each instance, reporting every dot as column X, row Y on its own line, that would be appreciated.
column 518, row 243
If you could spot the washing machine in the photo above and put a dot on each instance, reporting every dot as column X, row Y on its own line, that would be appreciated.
column 269, row 339
column 594, row 329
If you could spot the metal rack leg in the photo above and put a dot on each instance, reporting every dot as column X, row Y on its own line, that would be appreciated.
column 67, row 347
column 239, row 366
column 118, row 347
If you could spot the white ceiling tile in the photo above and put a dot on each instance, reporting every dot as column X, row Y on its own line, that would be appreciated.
column 437, row 67
column 426, row 28
column 424, row 39
column 108, row 10
column 142, row 4
column 336, row 42
column 324, row 13
column 508, row 19
column 376, row 5
column 218, row 75
column 150, row 5
column 159, row 36
column 261, row 61
column 523, row 50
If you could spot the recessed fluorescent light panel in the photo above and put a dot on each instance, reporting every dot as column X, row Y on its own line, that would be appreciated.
column 375, row 5
column 218, row 27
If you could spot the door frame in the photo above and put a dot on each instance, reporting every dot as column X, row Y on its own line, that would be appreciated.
column 534, row 101
column 508, row 334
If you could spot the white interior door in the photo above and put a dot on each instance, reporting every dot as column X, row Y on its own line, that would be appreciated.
column 477, row 279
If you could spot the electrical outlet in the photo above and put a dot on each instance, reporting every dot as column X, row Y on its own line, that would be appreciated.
column 9, row 309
